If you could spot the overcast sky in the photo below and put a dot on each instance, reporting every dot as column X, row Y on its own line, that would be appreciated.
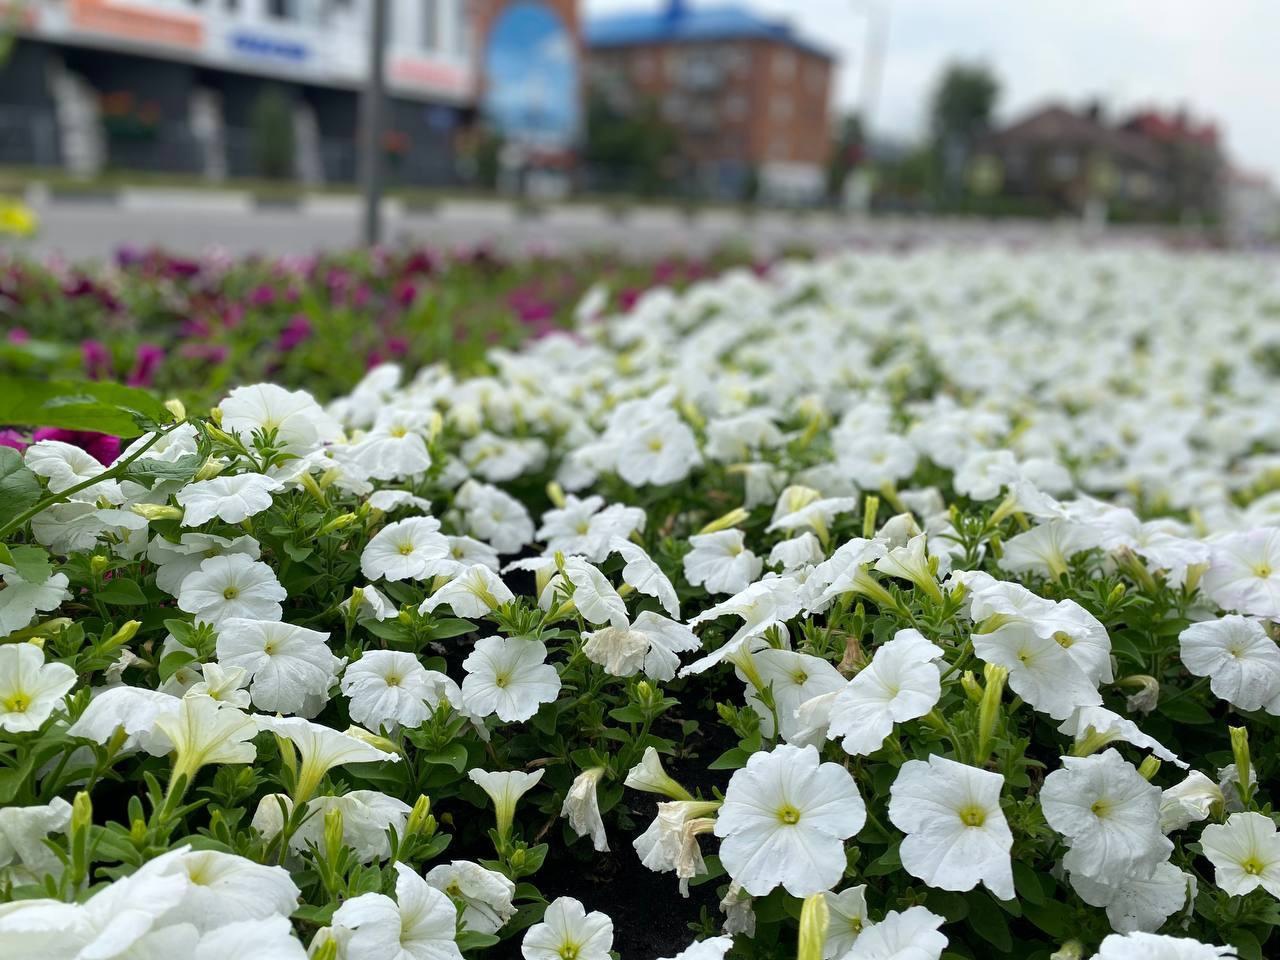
column 1219, row 58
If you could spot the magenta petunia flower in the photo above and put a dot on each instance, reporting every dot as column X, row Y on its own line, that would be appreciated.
column 101, row 446
column 97, row 359
column 146, row 362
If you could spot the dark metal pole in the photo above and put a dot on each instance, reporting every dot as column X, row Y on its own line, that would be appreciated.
column 372, row 110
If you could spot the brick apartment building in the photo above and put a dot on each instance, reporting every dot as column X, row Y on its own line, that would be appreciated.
column 748, row 99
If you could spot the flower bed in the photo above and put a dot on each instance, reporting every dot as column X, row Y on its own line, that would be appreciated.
column 888, row 606
column 195, row 327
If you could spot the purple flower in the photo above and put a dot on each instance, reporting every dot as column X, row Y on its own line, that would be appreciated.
column 146, row 362
column 294, row 333
column 207, row 352
column 97, row 359
column 12, row 438
column 18, row 335
column 262, row 296
column 101, row 446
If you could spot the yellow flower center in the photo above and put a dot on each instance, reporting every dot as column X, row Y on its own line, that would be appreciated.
column 1064, row 639
column 800, row 678
column 230, row 593
column 393, row 681
column 569, row 950
column 788, row 814
column 655, row 444
column 1262, row 570
column 269, row 647
column 973, row 816
column 1253, row 866
column 1101, row 808
column 501, row 680
column 406, row 549
column 398, row 431
column 17, row 702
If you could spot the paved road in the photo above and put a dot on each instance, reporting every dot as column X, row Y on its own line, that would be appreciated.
column 192, row 223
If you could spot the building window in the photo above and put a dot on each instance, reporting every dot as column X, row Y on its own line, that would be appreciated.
column 784, row 65
column 284, row 9
column 1064, row 165
column 462, row 35
column 430, row 26
column 642, row 66
column 781, row 107
column 735, row 107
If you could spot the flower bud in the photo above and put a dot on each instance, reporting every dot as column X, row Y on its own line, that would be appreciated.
column 1147, row 695
column 333, row 834
column 1071, row 950
column 814, row 918
column 81, row 812
column 650, row 776
column 339, row 522
column 98, row 565
column 555, row 493
column 871, row 507
column 122, row 636
column 1244, row 774
column 989, row 708
column 730, row 519
column 215, row 414
column 1149, row 768
column 972, row 688
column 382, row 743
column 313, row 489
column 420, row 822
column 156, row 511
column 211, row 467
column 174, row 406
column 324, row 946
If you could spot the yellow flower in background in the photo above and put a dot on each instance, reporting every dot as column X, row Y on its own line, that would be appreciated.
column 17, row 218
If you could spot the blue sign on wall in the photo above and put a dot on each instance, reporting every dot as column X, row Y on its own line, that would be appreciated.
column 531, row 64
column 270, row 48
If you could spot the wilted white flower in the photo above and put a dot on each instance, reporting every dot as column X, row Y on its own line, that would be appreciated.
column 582, row 807
column 1137, row 902
column 1188, row 801
column 651, row 645
column 486, row 894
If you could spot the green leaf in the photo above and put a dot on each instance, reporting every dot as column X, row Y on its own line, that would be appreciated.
column 454, row 755
column 122, row 593
column 173, row 662
column 730, row 760
column 32, row 563
column 449, row 627
column 79, row 405
column 19, row 488
column 989, row 922
column 147, row 472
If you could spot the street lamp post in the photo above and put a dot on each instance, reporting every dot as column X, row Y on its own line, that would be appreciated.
column 372, row 109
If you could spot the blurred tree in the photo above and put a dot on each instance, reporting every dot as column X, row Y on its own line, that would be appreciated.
column 960, row 113
column 629, row 151
column 847, row 153
column 271, row 133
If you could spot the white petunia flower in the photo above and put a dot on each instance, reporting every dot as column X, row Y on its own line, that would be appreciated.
column 494, row 516
column 796, row 553
column 794, row 679
column 1153, row 946
column 64, row 465
column 224, row 684
column 957, row 836
column 229, row 498
column 30, row 689
column 390, row 688
column 1047, row 549
column 202, row 731
column 299, row 423
column 505, row 788
column 366, row 817
column 1245, row 853
column 720, row 562
column 1235, row 653
column 21, row 600
column 582, row 807
column 24, row 856
column 291, row 668
column 567, row 930
column 508, row 676
column 1109, row 814
column 651, row 645
column 486, row 895
column 270, row 938
column 419, row 924
column 404, row 550
column 650, row 776
column 320, row 749
column 910, row 935
column 784, row 821
column 593, row 595
column 475, row 592
column 1137, row 902
column 1190, row 801
column 847, row 917
column 646, row 576
column 764, row 605
column 901, row 683
column 175, row 561
column 1100, row 726
column 131, row 709
column 232, row 586
column 1244, row 572
column 223, row 888
column 713, row 948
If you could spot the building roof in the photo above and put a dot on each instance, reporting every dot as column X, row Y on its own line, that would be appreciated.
column 679, row 23
column 1055, row 124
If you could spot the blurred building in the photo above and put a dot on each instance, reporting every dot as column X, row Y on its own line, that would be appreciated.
column 1251, row 208
column 232, row 87
column 1149, row 166
column 746, row 97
